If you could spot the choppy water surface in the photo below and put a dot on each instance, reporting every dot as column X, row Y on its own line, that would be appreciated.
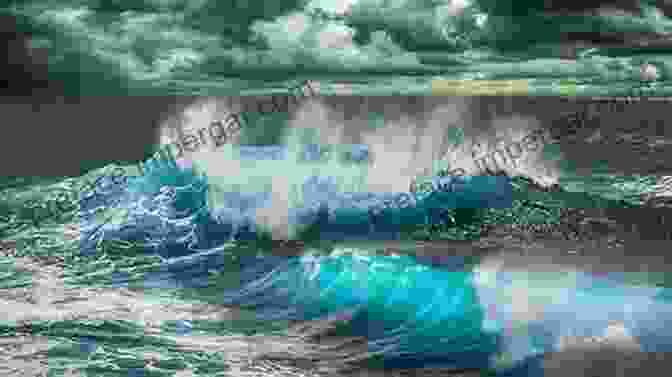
column 147, row 278
column 354, row 47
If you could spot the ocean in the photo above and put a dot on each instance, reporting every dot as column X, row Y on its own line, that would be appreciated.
column 335, row 188
column 185, row 267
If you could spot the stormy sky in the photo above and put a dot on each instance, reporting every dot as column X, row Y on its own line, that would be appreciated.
column 104, row 48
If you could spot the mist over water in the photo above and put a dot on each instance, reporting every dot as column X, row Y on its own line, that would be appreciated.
column 356, row 146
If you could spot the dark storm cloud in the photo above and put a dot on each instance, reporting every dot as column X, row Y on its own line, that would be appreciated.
column 22, row 71
column 151, row 47
column 517, row 7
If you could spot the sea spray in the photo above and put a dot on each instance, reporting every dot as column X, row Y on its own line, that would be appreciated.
column 320, row 140
column 555, row 308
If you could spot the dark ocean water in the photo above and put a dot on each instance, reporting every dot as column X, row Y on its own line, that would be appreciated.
column 350, row 47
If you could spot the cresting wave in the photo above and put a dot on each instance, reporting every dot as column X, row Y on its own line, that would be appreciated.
column 413, row 314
